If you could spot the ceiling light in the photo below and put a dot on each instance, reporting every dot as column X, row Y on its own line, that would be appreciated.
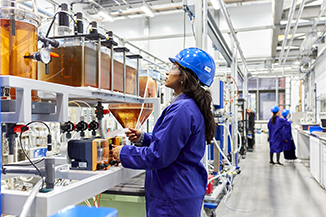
column 215, row 4
column 147, row 11
column 106, row 16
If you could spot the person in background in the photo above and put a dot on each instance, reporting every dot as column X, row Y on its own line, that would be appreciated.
column 176, row 180
column 275, row 126
column 288, row 143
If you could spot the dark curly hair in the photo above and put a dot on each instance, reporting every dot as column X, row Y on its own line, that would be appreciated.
column 191, row 87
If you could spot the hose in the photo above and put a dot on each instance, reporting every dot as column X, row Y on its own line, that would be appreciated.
column 219, row 148
column 30, row 199
column 229, row 134
column 240, row 141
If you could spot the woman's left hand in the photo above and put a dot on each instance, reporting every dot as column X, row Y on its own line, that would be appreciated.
column 115, row 152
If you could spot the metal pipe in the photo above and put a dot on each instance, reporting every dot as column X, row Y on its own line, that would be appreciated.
column 112, row 68
column 25, row 171
column 287, row 28
column 137, row 78
column 83, row 61
column 227, row 18
column 99, row 63
column 294, row 29
column 321, row 12
column 35, row 10
column 124, row 72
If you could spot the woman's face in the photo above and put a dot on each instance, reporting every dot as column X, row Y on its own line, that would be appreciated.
column 173, row 78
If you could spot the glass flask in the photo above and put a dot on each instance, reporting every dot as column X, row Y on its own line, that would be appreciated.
column 133, row 115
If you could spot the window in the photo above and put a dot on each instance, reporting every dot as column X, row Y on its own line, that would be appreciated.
column 252, row 84
column 267, row 101
column 267, row 83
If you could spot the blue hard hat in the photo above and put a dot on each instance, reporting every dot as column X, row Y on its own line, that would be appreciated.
column 198, row 61
column 275, row 109
column 285, row 113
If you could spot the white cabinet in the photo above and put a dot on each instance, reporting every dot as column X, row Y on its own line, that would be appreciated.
column 323, row 164
column 302, row 144
column 315, row 158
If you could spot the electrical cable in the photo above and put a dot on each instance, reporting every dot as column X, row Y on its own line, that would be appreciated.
column 22, row 148
column 192, row 27
column 99, row 200
column 95, row 203
column 48, row 32
column 87, row 203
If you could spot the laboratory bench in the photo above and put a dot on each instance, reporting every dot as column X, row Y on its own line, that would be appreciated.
column 312, row 146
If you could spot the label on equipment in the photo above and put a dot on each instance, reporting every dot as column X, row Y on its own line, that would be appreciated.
column 82, row 164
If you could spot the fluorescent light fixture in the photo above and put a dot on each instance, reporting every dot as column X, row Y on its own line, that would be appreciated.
column 147, row 11
column 215, row 4
column 106, row 16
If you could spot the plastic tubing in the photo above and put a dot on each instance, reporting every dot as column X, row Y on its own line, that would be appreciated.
column 83, row 102
column 81, row 112
column 240, row 141
column 229, row 134
column 218, row 147
column 30, row 199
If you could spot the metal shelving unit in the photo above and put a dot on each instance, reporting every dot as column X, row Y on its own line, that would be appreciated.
column 61, row 94
column 88, row 183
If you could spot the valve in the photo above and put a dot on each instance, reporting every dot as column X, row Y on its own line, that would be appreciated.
column 81, row 126
column 67, row 127
column 93, row 126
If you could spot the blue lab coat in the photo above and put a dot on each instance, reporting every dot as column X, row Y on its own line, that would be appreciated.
column 287, row 135
column 176, row 179
column 275, row 135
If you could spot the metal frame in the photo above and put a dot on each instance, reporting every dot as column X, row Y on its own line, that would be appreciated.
column 63, row 95
column 90, row 183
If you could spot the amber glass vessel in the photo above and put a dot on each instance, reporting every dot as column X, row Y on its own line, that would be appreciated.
column 134, row 115
column 76, row 65
column 118, row 78
column 18, row 39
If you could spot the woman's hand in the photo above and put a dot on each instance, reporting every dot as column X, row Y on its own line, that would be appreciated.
column 115, row 152
column 133, row 135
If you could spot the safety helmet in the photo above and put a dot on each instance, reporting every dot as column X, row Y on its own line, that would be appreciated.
column 198, row 61
column 285, row 113
column 275, row 109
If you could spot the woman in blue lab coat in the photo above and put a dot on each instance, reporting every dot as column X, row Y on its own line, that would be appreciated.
column 288, row 143
column 275, row 126
column 176, row 179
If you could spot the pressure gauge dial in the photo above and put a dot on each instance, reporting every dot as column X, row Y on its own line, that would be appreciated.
column 45, row 56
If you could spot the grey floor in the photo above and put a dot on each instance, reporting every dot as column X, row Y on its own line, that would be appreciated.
column 268, row 191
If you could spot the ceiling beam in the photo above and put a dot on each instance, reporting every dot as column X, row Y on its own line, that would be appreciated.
column 278, row 10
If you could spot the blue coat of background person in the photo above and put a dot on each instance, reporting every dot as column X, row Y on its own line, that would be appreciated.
column 275, row 126
column 286, row 132
column 288, row 143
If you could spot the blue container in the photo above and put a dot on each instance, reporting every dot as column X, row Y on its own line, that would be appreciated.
column 85, row 211
column 315, row 128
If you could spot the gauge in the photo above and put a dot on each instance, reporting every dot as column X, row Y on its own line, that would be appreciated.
column 45, row 56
